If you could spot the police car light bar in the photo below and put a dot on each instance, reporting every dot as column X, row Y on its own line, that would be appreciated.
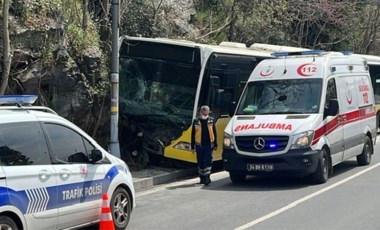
column 17, row 99
column 308, row 52
column 347, row 52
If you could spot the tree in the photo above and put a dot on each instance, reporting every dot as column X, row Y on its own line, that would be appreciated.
column 85, row 15
column 365, row 28
column 7, row 56
column 322, row 24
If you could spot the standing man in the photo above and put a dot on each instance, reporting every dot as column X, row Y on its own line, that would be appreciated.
column 203, row 141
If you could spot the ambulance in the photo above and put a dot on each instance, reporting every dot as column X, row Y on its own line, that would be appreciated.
column 53, row 175
column 301, row 114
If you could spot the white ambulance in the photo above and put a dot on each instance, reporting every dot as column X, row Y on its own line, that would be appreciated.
column 301, row 114
column 53, row 175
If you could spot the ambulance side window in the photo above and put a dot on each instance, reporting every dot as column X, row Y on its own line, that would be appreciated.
column 23, row 144
column 67, row 145
column 331, row 90
column 331, row 93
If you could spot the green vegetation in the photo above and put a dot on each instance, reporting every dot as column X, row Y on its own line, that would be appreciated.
column 47, row 53
column 82, row 26
column 79, row 39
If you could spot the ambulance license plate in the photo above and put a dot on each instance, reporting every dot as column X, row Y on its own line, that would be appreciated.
column 260, row 167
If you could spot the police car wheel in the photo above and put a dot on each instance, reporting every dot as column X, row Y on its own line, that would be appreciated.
column 365, row 157
column 7, row 223
column 321, row 174
column 121, row 208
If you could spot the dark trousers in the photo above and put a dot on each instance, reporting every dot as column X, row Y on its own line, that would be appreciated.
column 204, row 159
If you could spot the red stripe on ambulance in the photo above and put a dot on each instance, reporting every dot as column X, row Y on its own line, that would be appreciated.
column 342, row 119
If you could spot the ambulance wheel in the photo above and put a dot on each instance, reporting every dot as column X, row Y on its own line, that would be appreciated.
column 365, row 157
column 121, row 207
column 7, row 223
column 321, row 174
column 237, row 178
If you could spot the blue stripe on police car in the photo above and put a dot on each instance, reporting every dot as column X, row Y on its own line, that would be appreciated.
column 46, row 198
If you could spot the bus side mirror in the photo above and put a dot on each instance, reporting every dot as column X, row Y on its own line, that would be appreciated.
column 333, row 108
column 232, row 108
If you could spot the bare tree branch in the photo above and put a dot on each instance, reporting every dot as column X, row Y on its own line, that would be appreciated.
column 7, row 56
column 228, row 21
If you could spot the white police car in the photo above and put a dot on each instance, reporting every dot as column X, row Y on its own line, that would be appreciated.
column 52, row 174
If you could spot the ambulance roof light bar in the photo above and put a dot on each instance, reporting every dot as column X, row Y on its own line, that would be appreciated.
column 19, row 100
column 297, row 53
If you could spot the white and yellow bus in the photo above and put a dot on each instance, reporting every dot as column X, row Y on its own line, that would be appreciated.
column 163, row 82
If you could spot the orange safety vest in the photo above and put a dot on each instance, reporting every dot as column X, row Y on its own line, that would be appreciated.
column 198, row 130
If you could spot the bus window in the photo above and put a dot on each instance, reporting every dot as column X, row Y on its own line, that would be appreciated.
column 374, row 71
column 224, row 80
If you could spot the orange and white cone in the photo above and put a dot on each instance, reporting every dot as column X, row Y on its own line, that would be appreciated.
column 106, row 222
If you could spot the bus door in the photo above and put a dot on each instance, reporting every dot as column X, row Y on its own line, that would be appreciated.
column 224, row 89
column 374, row 71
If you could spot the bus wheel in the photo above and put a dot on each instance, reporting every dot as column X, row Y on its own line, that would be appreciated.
column 7, row 223
column 321, row 174
column 237, row 178
column 154, row 159
column 365, row 157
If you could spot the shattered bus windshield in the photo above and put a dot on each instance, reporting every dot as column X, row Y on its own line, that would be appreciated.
column 157, row 93
column 281, row 97
column 154, row 88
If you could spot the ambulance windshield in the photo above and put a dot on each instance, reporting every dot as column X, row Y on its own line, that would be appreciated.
column 290, row 96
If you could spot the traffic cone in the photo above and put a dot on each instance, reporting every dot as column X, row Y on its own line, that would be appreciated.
column 106, row 222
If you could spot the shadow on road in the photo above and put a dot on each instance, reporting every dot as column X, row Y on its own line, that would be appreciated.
column 344, row 167
column 263, row 183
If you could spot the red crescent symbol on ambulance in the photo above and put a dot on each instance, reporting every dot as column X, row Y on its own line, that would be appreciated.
column 307, row 69
column 349, row 97
column 268, row 71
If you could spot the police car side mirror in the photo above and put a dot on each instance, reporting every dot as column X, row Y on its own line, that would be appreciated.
column 95, row 156
column 333, row 108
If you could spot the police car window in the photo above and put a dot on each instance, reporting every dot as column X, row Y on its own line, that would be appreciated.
column 67, row 145
column 23, row 144
column 89, row 146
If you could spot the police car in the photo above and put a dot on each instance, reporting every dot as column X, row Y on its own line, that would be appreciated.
column 52, row 174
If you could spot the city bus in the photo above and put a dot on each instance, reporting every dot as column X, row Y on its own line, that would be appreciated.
column 164, row 82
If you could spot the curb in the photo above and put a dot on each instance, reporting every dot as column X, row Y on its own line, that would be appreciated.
column 149, row 182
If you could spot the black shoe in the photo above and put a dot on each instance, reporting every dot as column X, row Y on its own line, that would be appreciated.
column 203, row 180
column 207, row 181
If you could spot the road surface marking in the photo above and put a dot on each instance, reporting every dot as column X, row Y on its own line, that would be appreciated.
column 308, row 197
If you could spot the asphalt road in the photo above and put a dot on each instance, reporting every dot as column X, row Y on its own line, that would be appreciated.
column 349, row 200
